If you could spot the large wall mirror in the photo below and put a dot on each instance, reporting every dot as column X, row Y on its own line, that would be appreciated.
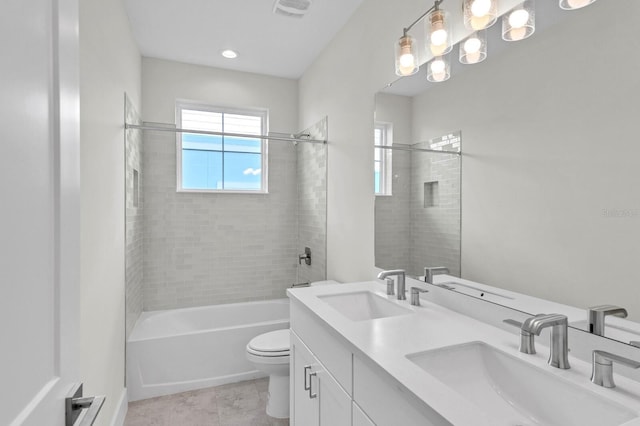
column 550, row 185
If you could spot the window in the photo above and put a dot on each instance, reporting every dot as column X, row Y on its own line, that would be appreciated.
column 212, row 163
column 382, row 135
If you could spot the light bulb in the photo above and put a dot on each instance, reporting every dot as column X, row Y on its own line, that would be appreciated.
column 439, row 37
column 517, row 33
column 575, row 4
column 440, row 76
column 473, row 57
column 480, row 8
column 437, row 66
column 518, row 18
column 407, row 60
column 472, row 45
column 480, row 22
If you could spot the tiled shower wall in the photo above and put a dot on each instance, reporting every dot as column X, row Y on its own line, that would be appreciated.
column 435, row 229
column 312, row 203
column 409, row 233
column 134, row 219
column 214, row 248
column 392, row 217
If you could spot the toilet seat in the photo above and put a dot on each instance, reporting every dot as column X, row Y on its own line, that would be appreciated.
column 274, row 344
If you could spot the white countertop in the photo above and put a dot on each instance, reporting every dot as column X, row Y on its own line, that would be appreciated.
column 386, row 341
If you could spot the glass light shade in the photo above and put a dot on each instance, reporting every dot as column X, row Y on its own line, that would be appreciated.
column 406, row 57
column 438, row 32
column 473, row 49
column 574, row 4
column 520, row 22
column 479, row 14
column 438, row 69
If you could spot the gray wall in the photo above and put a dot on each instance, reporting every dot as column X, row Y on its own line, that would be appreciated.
column 214, row 248
column 204, row 248
column 109, row 66
column 134, row 209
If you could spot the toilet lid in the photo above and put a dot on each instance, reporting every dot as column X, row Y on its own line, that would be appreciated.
column 272, row 342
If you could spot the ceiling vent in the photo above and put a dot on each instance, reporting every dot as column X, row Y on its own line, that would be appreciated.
column 291, row 8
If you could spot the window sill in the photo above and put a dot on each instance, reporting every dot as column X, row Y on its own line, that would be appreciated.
column 217, row 191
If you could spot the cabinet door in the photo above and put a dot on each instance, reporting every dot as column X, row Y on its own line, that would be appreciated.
column 360, row 418
column 305, row 407
column 335, row 403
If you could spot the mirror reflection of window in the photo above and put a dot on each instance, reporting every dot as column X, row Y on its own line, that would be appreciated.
column 382, row 136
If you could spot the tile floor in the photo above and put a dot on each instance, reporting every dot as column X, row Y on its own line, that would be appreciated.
column 236, row 404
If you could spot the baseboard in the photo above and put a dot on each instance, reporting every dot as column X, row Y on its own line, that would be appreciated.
column 121, row 410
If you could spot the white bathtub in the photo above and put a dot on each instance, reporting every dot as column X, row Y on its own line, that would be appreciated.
column 184, row 349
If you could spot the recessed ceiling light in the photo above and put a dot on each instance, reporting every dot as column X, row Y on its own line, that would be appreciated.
column 229, row 54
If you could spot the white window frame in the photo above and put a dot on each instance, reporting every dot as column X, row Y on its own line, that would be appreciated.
column 386, row 158
column 263, row 113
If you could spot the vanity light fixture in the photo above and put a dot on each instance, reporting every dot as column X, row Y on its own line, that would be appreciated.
column 439, row 69
column 574, row 4
column 406, row 58
column 479, row 14
column 438, row 31
column 473, row 49
column 229, row 54
column 405, row 47
column 520, row 22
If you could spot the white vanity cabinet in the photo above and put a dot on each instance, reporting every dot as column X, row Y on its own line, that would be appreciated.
column 317, row 398
column 360, row 418
column 332, row 387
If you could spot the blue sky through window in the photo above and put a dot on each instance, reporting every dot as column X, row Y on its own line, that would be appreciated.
column 212, row 162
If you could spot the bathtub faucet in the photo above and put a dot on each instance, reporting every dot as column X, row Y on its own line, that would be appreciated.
column 306, row 256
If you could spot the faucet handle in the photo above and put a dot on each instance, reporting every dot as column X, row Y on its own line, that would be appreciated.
column 512, row 322
column 415, row 295
column 602, row 368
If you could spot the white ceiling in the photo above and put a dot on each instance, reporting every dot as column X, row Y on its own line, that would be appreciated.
column 196, row 31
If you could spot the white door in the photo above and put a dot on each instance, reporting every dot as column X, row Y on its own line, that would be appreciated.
column 39, row 209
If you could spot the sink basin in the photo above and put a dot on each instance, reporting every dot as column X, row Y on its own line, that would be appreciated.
column 363, row 305
column 515, row 392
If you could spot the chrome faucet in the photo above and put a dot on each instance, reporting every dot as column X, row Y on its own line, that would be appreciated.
column 415, row 295
column 399, row 273
column 431, row 272
column 602, row 369
column 559, row 350
column 597, row 315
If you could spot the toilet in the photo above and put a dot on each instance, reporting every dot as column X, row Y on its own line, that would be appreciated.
column 269, row 353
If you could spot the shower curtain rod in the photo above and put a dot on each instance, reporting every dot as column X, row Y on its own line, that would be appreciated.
column 402, row 148
column 207, row 132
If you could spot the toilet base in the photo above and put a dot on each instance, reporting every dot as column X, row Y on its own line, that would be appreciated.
column 278, row 399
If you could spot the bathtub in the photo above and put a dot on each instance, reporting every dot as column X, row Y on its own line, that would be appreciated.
column 184, row 349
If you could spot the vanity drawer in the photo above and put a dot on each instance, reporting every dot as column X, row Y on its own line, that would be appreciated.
column 326, row 346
